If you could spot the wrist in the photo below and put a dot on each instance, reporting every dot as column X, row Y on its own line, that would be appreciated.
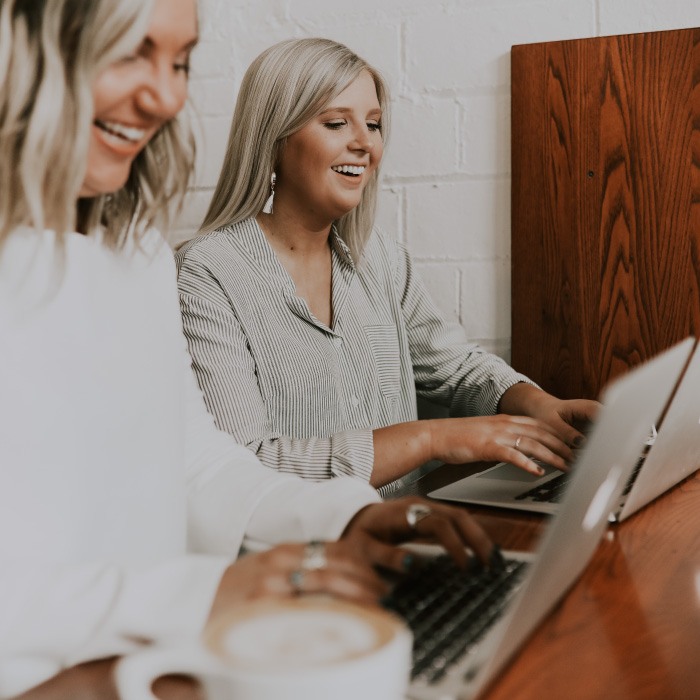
column 432, row 441
column 424, row 440
column 517, row 399
column 356, row 520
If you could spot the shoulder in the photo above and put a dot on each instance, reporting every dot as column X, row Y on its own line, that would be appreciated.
column 383, row 252
column 210, row 250
column 151, row 243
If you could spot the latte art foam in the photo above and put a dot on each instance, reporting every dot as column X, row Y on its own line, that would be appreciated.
column 305, row 648
column 300, row 633
column 299, row 638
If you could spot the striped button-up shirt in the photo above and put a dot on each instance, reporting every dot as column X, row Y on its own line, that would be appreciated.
column 305, row 397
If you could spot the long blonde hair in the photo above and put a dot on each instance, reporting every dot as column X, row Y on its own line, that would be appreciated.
column 50, row 54
column 283, row 89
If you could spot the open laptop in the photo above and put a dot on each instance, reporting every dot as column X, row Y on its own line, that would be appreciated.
column 465, row 654
column 675, row 452
column 664, row 459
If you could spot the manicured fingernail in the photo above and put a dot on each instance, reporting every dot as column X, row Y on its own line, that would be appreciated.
column 408, row 562
column 539, row 470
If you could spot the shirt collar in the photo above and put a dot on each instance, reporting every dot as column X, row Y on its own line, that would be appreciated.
column 340, row 248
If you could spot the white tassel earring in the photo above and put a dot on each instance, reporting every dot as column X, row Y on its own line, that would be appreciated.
column 267, row 209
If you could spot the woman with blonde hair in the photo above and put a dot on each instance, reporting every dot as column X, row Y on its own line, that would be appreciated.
column 122, row 507
column 309, row 329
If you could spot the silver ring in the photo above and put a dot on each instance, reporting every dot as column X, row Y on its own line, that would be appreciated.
column 314, row 556
column 296, row 579
column 415, row 513
column 517, row 442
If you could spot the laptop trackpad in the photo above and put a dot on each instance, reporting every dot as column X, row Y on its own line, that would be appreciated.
column 509, row 472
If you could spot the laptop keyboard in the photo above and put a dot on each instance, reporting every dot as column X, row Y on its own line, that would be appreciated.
column 449, row 609
column 549, row 492
column 552, row 491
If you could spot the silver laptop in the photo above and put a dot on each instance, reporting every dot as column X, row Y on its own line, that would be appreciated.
column 674, row 454
column 460, row 670
column 675, row 451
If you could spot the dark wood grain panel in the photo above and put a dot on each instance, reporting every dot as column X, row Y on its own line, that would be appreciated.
column 605, row 197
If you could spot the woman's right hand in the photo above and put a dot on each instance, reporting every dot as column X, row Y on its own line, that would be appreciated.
column 346, row 574
column 401, row 447
column 500, row 438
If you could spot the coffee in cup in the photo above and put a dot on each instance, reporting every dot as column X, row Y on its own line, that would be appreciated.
column 308, row 648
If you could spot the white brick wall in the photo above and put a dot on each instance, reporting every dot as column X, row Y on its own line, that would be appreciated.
column 446, row 174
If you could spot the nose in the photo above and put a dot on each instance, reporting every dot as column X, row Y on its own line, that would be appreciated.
column 164, row 93
column 361, row 139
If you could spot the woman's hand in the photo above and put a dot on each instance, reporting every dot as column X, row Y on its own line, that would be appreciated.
column 565, row 417
column 501, row 438
column 280, row 572
column 375, row 531
column 532, row 425
column 516, row 439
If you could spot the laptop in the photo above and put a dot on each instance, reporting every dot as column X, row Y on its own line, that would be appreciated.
column 665, row 456
column 458, row 650
column 675, row 451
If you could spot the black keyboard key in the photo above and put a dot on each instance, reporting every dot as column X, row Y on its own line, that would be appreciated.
column 549, row 492
column 448, row 609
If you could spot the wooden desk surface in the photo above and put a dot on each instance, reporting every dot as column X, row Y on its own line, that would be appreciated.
column 630, row 627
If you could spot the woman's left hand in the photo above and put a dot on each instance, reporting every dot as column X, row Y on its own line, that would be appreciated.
column 567, row 417
column 375, row 531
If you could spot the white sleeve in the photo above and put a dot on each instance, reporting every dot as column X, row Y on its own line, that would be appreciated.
column 233, row 497
column 53, row 616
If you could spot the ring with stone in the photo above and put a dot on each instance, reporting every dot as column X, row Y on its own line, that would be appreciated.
column 296, row 580
column 314, row 557
column 517, row 442
column 415, row 513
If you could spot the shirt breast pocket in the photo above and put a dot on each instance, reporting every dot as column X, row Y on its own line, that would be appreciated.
column 384, row 345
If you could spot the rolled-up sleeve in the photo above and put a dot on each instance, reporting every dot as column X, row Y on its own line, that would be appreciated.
column 448, row 370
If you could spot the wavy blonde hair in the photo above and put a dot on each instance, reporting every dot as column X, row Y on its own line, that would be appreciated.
column 283, row 89
column 51, row 51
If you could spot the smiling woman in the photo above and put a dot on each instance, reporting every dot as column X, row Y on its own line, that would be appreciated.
column 324, row 167
column 137, row 95
column 122, row 507
column 309, row 329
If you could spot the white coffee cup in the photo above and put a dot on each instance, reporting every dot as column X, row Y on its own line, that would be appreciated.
column 294, row 649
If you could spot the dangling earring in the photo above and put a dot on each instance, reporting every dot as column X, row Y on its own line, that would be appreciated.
column 267, row 209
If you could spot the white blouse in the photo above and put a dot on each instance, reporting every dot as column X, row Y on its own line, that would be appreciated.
column 120, row 502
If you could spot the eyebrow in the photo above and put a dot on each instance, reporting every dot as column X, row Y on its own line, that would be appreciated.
column 191, row 44
column 149, row 43
column 346, row 110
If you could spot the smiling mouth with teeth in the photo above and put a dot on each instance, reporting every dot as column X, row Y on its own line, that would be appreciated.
column 127, row 133
column 353, row 170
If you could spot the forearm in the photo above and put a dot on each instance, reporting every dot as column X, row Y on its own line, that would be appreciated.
column 299, row 511
column 400, row 448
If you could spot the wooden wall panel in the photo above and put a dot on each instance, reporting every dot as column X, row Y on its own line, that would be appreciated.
column 605, row 204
